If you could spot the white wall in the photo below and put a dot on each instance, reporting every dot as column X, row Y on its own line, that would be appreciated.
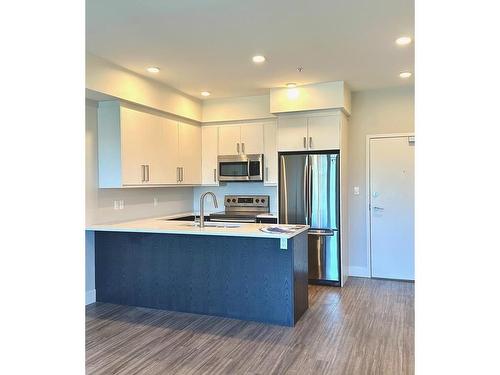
column 138, row 201
column 235, row 109
column 373, row 112
column 250, row 188
column 106, row 78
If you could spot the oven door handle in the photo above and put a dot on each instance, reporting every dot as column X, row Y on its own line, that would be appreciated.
column 234, row 220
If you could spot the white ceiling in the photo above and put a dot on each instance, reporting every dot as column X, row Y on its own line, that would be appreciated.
column 208, row 44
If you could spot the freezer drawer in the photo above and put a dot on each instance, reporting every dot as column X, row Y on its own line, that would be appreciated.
column 324, row 256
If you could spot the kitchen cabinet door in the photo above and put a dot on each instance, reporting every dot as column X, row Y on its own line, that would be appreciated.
column 252, row 139
column 134, row 140
column 163, row 148
column 292, row 134
column 209, row 152
column 270, row 154
column 229, row 140
column 324, row 132
column 190, row 153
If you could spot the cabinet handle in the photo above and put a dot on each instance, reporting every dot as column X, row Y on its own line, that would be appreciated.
column 182, row 174
column 238, row 147
column 267, row 173
column 177, row 174
column 215, row 174
column 305, row 145
column 147, row 169
column 143, row 173
column 242, row 148
column 310, row 142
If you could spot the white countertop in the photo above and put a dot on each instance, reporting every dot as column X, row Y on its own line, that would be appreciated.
column 163, row 225
column 174, row 216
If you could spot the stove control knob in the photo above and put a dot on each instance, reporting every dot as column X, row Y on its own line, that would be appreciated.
column 228, row 200
column 262, row 201
column 234, row 200
column 256, row 201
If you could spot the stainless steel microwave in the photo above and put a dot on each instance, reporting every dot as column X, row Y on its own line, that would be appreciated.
column 241, row 167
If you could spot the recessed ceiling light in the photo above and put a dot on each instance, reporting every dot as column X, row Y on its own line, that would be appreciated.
column 405, row 75
column 153, row 69
column 291, row 85
column 403, row 41
column 205, row 93
column 258, row 59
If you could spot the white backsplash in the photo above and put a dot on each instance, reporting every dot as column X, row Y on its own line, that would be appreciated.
column 234, row 188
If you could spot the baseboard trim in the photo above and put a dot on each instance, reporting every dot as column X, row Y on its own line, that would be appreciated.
column 359, row 271
column 89, row 297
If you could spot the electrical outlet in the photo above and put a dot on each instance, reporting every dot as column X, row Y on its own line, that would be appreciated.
column 122, row 204
column 116, row 205
column 155, row 202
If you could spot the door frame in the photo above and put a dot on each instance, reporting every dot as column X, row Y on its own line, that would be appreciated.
column 369, row 137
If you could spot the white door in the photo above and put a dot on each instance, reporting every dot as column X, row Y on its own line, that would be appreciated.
column 190, row 153
column 392, row 207
column 209, row 152
column 323, row 132
column 229, row 140
column 163, row 166
column 270, row 154
column 135, row 134
column 292, row 134
column 252, row 139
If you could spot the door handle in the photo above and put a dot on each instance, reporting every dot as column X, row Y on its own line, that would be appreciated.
column 310, row 142
column 215, row 174
column 238, row 147
column 378, row 208
column 242, row 147
column 306, row 208
column 305, row 145
column 267, row 173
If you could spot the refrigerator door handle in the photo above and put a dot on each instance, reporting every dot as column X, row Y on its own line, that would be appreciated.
column 306, row 193
column 309, row 192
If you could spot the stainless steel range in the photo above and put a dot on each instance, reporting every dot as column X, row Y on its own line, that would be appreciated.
column 242, row 208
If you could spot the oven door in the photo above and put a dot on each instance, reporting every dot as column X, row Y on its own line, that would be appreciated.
column 233, row 168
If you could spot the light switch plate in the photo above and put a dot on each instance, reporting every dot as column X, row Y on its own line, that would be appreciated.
column 356, row 190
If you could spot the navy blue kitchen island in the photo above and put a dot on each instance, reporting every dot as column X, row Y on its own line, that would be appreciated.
column 241, row 277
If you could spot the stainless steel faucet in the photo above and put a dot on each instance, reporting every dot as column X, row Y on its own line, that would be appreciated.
column 202, row 208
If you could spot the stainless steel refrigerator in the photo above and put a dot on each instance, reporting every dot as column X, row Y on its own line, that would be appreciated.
column 309, row 194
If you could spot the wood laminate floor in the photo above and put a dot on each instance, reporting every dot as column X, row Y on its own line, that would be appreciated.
column 367, row 327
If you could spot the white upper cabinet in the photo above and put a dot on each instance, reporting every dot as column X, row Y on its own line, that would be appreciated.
column 163, row 148
column 136, row 148
column 323, row 132
column 133, row 141
column 241, row 139
column 292, row 134
column 312, row 132
column 229, row 140
column 189, row 154
column 209, row 152
column 270, row 154
column 252, row 139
